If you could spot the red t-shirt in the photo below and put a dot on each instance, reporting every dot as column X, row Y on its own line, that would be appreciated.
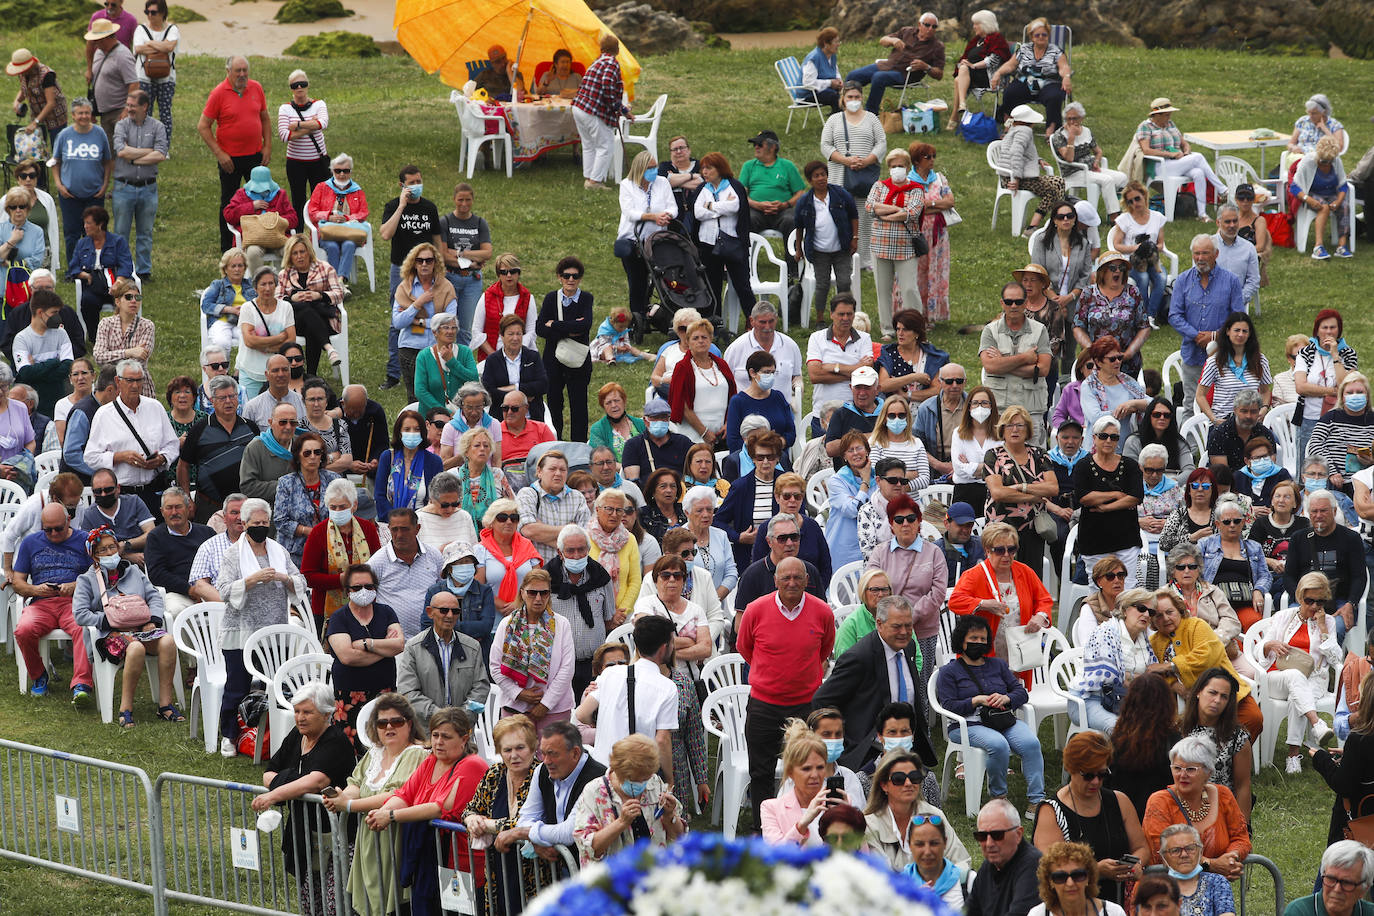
column 238, row 118
column 786, row 657
column 515, row 446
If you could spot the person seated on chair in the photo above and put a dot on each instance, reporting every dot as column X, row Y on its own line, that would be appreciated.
column 1038, row 72
column 99, row 260
column 1158, row 136
column 1319, row 184
column 1074, row 142
column 986, row 50
column 915, row 52
column 560, row 80
column 496, row 78
column 1311, row 128
column 1018, row 156
column 339, row 202
column 46, row 568
column 21, row 242
column 224, row 299
column 115, row 577
column 170, row 549
column 259, row 195
column 125, row 514
column 821, row 71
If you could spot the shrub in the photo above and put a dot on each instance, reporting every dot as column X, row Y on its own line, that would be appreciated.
column 311, row 10
column 334, row 44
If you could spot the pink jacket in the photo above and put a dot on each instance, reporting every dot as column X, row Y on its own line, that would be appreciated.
column 780, row 817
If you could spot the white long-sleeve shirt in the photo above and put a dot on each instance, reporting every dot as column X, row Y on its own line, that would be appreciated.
column 636, row 201
column 967, row 457
column 532, row 811
column 109, row 434
column 717, row 213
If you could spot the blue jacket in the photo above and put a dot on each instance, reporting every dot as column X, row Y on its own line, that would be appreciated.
column 842, row 209
column 1193, row 309
column 736, row 515
column 115, row 256
column 775, row 408
column 433, row 465
column 827, row 68
column 1259, row 570
column 955, row 688
column 221, row 293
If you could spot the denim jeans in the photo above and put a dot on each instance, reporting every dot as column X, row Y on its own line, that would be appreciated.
column 1151, row 286
column 880, row 80
column 1098, row 717
column 134, row 205
column 469, row 291
column 340, row 257
column 393, row 335
column 72, row 229
column 999, row 745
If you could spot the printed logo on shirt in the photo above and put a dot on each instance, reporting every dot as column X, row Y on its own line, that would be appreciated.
column 72, row 150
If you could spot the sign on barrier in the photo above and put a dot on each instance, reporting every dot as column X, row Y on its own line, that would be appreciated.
column 81, row 816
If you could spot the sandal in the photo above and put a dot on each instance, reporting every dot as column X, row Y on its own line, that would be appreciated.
column 168, row 713
column 126, row 718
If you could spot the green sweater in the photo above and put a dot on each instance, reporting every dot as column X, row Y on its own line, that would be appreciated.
column 855, row 627
column 429, row 391
column 1308, row 906
column 601, row 434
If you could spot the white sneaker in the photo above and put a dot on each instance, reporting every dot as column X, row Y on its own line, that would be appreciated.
column 1294, row 766
column 227, row 748
column 1322, row 735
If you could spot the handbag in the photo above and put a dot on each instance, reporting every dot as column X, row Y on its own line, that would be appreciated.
column 952, row 218
column 1045, row 526
column 995, row 719
column 124, row 612
column 1025, row 650
column 342, row 232
column 266, row 230
column 858, row 182
column 569, row 352
column 891, row 121
column 157, row 65
column 1297, row 661
column 1359, row 829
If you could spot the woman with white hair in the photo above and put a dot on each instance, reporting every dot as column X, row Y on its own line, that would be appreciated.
column 313, row 755
column 301, row 123
column 21, row 242
column 258, row 582
column 333, row 545
column 1311, row 127
column 713, row 544
column 985, row 52
column 1080, row 153
column 1235, row 564
column 338, row 208
column 1194, row 799
column 1299, row 655
column 1200, row 892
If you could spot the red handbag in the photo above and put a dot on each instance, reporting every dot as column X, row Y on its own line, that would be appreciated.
column 1280, row 229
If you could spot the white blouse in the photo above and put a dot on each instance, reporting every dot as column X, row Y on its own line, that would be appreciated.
column 636, row 201
column 967, row 456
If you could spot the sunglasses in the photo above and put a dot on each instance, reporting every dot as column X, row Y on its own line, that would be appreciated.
column 507, row 516
column 311, row 453
column 1006, row 301
column 1232, row 521
column 1116, row 358
column 1200, row 485
column 361, row 588
column 1313, row 602
column 218, row 367
column 894, row 480
column 1187, row 567
column 1066, row 216
column 343, row 171
column 26, row 175
column 896, row 416
column 1109, row 437
column 424, row 260
column 295, row 359
column 994, row 835
column 766, row 456
column 449, row 505
column 1100, row 774
column 509, row 271
column 537, row 592
column 132, row 297
column 879, row 589
column 445, row 611
column 910, row 519
column 671, row 575
column 1134, row 199
column 16, row 207
column 393, row 722
column 511, row 408
column 1113, row 576
column 299, row 84
column 103, row 491
column 954, row 381
column 570, row 275
column 1079, row 875
column 1161, row 415
column 1003, row 550
column 902, row 777
column 787, row 538
column 55, row 530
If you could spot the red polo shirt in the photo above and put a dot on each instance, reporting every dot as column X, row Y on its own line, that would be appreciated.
column 515, row 446
column 238, row 118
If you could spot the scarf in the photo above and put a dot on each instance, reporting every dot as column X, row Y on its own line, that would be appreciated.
column 340, row 558
column 847, row 474
column 1094, row 386
column 1340, row 345
column 528, row 647
column 746, row 464
column 1237, row 370
column 522, row 551
column 595, row 577
column 1159, row 489
column 896, row 194
column 610, row 544
column 404, row 483
column 479, row 494
column 277, row 557
column 1260, row 478
column 1058, row 457
column 276, row 448
column 263, row 195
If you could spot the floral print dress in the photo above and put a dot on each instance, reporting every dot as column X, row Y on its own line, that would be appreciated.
column 932, row 270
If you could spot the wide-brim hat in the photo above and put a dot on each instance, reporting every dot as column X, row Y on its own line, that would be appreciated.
column 102, row 28
column 1108, row 257
column 21, row 60
column 260, row 181
column 1035, row 269
column 1027, row 115
column 1161, row 105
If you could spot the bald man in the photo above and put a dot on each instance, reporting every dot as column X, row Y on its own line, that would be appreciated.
column 46, row 567
column 268, row 457
column 237, row 129
column 278, row 392
column 367, row 428
column 786, row 637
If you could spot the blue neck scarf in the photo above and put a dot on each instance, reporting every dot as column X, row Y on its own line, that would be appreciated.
column 401, row 483
column 1164, row 486
column 718, row 188
column 1237, row 370
column 1058, row 457
column 276, row 448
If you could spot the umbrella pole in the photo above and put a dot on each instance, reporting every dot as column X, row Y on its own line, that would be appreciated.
column 519, row 53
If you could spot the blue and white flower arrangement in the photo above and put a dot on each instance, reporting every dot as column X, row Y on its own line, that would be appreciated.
column 706, row 873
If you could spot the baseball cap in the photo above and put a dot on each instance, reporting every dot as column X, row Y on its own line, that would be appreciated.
column 864, row 375
column 656, row 407
column 764, row 136
column 960, row 514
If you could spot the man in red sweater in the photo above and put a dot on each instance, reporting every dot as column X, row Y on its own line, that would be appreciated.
column 785, row 637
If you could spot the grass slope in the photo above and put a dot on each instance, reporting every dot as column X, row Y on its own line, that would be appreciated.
column 386, row 112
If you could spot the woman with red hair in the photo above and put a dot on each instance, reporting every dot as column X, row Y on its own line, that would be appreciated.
column 917, row 571
column 1320, row 368
column 1108, row 390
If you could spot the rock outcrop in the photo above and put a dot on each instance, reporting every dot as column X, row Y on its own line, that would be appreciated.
column 646, row 30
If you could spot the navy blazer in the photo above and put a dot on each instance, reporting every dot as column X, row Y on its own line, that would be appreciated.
column 576, row 324
column 115, row 255
column 534, row 381
column 843, row 211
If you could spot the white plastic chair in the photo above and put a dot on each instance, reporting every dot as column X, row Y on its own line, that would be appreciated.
column 723, row 715
column 365, row 252
column 1234, row 172
column 48, row 462
column 1171, row 372
column 45, row 644
column 808, row 281
column 363, row 715
column 196, row 632
column 474, row 122
column 799, row 98
column 1075, row 175
column 1019, row 199
column 817, row 497
column 958, row 743
column 1302, row 225
column 1063, row 671
column 844, row 584
column 1273, row 702
column 103, row 673
column 726, row 670
column 1280, row 423
column 653, row 117
column 625, row 633
column 54, row 247
column 759, row 246
column 289, row 677
column 1045, row 702
column 1194, row 432
column 1169, row 184
column 842, row 612
column 267, row 650
column 1069, row 592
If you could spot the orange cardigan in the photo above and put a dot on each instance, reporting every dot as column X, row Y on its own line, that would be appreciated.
column 1227, row 833
column 973, row 587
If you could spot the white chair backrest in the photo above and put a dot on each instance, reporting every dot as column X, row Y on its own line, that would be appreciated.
column 196, row 632
column 1054, row 644
column 1280, row 423
column 1064, row 670
column 271, row 647
column 1194, row 432
column 994, row 153
column 295, row 672
column 944, row 492
column 844, row 584
column 943, row 652
column 1234, row 171
column 843, row 611
column 723, row 671
column 48, row 461
column 723, row 715
column 817, row 496
column 624, row 633
column 11, row 492
column 363, row 715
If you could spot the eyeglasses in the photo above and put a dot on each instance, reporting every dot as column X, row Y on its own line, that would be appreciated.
column 570, row 275
column 1187, row 567
column 58, row 530
column 688, row 554
column 910, row 519
column 1079, row 875
column 507, row 517
column 1345, row 884
column 1200, row 485
column 671, row 575
column 879, row 589
column 954, row 381
column 994, row 835
column 613, row 510
column 1113, row 576
column 1228, row 522
column 790, row 496
column 449, row 505
column 1179, row 850
column 509, row 271
column 1006, row 301
column 1100, row 774
column 299, row 84
column 511, row 408
column 424, row 260
column 1109, row 437
column 311, row 452
column 679, row 149
column 1002, row 550
column 218, row 367
column 103, row 491
column 393, row 722
column 902, row 777
column 1006, row 426
column 1181, row 770
column 537, row 592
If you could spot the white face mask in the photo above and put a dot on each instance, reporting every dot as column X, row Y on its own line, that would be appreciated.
column 853, row 104
column 980, row 414
column 898, row 173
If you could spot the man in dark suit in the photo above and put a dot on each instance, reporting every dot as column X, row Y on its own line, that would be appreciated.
column 877, row 670
column 546, row 817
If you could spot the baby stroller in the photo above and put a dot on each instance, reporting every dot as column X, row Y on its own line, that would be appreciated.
column 679, row 280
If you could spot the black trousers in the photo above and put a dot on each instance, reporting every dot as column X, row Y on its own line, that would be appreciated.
column 229, row 183
column 575, row 381
column 301, row 177
column 737, row 269
column 637, row 276
column 312, row 321
column 763, row 734
column 94, row 297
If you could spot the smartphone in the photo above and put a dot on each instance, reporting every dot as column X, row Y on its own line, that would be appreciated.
column 1130, row 860
column 834, row 786
column 329, row 791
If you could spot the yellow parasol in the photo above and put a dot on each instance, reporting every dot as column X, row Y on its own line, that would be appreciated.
column 443, row 36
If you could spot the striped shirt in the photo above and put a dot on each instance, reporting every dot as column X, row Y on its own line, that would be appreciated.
column 1225, row 385
column 209, row 556
column 308, row 146
column 913, row 455
column 402, row 586
column 1336, row 433
column 1320, row 371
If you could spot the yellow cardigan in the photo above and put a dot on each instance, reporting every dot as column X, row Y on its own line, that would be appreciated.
column 1196, row 648
column 627, row 589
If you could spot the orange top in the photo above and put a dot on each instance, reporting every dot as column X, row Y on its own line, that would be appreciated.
column 1226, row 832
column 975, row 585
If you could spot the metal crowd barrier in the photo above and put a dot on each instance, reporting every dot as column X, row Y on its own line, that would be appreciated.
column 501, row 887
column 1243, row 884
column 215, row 855
column 80, row 816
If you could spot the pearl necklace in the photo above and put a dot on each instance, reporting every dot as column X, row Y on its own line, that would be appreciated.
column 1202, row 812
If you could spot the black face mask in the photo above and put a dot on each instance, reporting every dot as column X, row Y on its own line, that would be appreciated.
column 107, row 500
column 298, row 372
column 257, row 532
column 976, row 650
column 55, row 321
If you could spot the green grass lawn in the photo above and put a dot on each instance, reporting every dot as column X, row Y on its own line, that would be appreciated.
column 386, row 113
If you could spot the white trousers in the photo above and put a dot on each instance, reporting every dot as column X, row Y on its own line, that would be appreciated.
column 1195, row 166
column 1130, row 556
column 1302, row 698
column 598, row 140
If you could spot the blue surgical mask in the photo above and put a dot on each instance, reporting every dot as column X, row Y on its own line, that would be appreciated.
column 834, row 747
column 766, row 380
column 634, row 788
column 658, row 428
column 1262, row 466
column 416, row 191
column 897, row 744
column 341, row 517
column 1186, row 876
column 691, row 564
column 410, row 440
column 462, row 573
column 575, row 566
column 110, row 561
column 896, row 425
column 1356, row 402
column 1312, row 486
column 650, row 174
